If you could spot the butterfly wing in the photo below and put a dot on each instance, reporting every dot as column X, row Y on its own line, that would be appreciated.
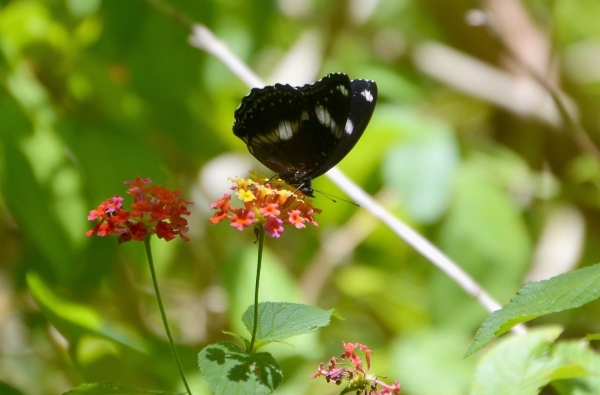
column 363, row 100
column 294, row 131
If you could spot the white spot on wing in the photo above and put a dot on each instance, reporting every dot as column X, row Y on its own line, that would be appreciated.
column 325, row 119
column 323, row 115
column 342, row 89
column 286, row 130
column 367, row 94
column 349, row 128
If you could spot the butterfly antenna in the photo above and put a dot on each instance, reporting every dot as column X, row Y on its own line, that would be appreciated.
column 333, row 198
column 277, row 176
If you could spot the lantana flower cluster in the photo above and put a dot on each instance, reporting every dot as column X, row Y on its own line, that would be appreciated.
column 269, row 203
column 359, row 380
column 155, row 210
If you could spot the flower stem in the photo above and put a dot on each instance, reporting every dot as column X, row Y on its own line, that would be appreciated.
column 162, row 313
column 261, row 241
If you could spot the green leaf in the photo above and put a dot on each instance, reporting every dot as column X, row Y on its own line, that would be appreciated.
column 579, row 353
column 228, row 370
column 6, row 389
column 522, row 365
column 73, row 320
column 563, row 292
column 279, row 321
column 114, row 389
column 31, row 204
column 239, row 337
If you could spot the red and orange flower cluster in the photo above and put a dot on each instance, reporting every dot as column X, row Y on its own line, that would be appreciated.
column 155, row 210
column 359, row 380
column 266, row 202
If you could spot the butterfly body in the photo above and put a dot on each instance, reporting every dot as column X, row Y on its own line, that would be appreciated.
column 302, row 132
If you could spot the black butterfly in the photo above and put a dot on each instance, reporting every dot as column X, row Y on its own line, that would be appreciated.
column 302, row 132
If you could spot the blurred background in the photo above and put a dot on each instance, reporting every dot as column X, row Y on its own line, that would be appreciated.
column 466, row 145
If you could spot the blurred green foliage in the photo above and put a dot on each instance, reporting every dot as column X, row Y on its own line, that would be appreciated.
column 95, row 92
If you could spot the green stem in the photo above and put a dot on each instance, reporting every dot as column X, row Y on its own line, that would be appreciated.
column 162, row 313
column 261, row 241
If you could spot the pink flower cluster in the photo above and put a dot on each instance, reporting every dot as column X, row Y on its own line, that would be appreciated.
column 155, row 210
column 268, row 203
column 359, row 380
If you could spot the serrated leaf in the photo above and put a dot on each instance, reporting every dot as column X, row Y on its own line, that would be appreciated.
column 229, row 371
column 279, row 321
column 113, row 389
column 563, row 292
column 522, row 365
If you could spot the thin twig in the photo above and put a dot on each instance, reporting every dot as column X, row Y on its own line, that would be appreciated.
column 203, row 39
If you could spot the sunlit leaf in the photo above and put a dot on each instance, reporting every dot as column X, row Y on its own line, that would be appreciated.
column 580, row 354
column 563, row 292
column 279, row 321
column 229, row 370
column 523, row 364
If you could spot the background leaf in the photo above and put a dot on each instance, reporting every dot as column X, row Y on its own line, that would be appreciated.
column 522, row 365
column 578, row 354
column 75, row 320
column 421, row 168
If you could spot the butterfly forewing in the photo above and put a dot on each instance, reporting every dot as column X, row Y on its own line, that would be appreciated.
column 302, row 132
column 267, row 120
